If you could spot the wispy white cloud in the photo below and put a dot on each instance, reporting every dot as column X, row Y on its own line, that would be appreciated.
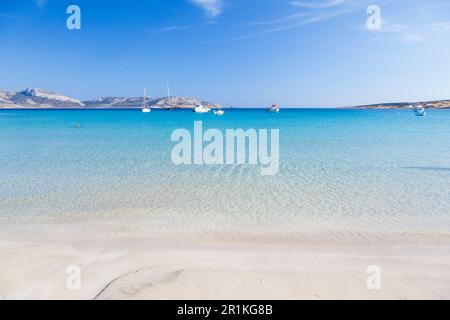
column 315, row 12
column 318, row 5
column 279, row 20
column 41, row 3
column 438, row 26
column 173, row 28
column 303, row 22
column 413, row 34
column 267, row 31
column 213, row 8
column 412, row 37
column 407, row 33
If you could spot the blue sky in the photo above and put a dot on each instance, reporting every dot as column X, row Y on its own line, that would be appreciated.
column 233, row 52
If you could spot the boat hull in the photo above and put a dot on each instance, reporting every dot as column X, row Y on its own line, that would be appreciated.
column 201, row 110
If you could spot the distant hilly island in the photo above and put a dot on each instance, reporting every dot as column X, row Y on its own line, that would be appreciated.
column 42, row 99
column 437, row 104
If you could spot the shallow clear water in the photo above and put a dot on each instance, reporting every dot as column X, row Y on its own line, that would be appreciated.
column 340, row 170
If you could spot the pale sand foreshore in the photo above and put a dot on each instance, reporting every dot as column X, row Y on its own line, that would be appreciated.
column 33, row 265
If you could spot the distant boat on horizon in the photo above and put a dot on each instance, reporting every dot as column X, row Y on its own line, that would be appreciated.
column 419, row 111
column 145, row 109
column 167, row 103
column 274, row 108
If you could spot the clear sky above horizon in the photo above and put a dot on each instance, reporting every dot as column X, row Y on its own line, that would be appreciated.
column 234, row 52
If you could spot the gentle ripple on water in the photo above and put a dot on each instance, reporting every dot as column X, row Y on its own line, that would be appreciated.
column 354, row 171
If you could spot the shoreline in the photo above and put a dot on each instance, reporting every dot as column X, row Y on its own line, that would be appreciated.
column 277, row 236
column 34, row 266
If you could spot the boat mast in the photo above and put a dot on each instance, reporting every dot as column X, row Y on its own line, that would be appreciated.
column 168, row 104
column 143, row 98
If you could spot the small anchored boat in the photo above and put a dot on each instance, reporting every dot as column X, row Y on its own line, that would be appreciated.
column 168, row 102
column 200, row 108
column 218, row 112
column 274, row 108
column 145, row 108
column 419, row 111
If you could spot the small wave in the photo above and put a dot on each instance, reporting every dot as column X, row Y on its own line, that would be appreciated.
column 428, row 168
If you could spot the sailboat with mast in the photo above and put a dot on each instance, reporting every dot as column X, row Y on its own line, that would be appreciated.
column 167, row 104
column 145, row 108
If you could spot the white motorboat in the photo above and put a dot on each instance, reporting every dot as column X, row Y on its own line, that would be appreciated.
column 145, row 108
column 420, row 111
column 200, row 108
column 274, row 108
column 218, row 112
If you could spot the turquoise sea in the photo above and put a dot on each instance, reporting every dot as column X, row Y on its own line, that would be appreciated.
column 341, row 171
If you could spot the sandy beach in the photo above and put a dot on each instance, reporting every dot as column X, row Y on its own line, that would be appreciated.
column 35, row 263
